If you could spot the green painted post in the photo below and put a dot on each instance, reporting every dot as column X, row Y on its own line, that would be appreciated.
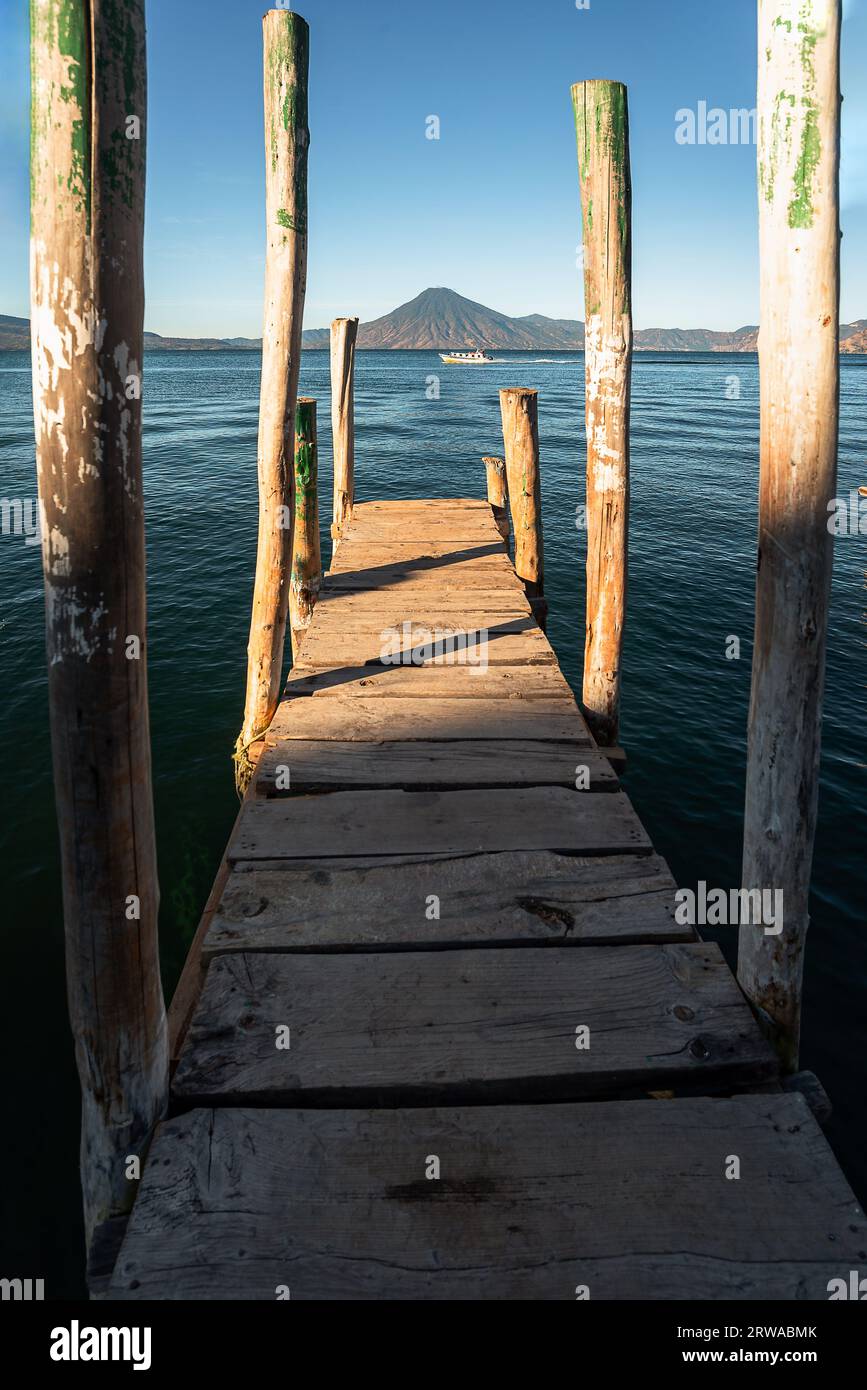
column 799, row 241
column 306, row 552
column 602, row 128
column 286, row 63
column 87, row 305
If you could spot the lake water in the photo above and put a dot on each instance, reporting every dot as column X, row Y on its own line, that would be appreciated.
column 693, row 547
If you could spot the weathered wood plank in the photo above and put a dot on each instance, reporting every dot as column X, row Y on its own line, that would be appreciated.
column 532, row 1202
column 424, row 558
column 429, row 682
column 416, row 620
column 439, row 822
column 422, row 504
column 335, row 766
column 503, row 644
column 441, row 572
column 445, row 1027
column 456, row 532
column 399, row 504
column 438, row 551
column 392, row 720
column 420, row 513
column 407, row 624
column 486, row 900
column 366, row 603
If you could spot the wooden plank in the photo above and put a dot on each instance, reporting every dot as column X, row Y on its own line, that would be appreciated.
column 431, row 601
column 429, row 682
column 424, row 553
column 420, row 622
column 385, row 720
column 439, row 822
column 486, row 900
column 422, row 504
column 452, row 523
column 316, row 864
column 441, row 564
column 448, row 1027
column 320, row 765
column 625, row 1198
column 396, row 581
column 500, row 645
column 416, row 620
column 442, row 558
column 405, row 585
column 448, row 513
column 457, row 531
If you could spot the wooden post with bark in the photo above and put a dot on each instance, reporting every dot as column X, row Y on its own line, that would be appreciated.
column 602, row 127
column 87, row 305
column 799, row 227
column 286, row 62
column 519, row 411
column 306, row 552
column 498, row 494
column 343, row 336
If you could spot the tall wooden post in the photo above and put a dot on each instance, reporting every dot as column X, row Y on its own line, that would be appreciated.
column 286, row 54
column 306, row 552
column 799, row 145
column 520, row 415
column 343, row 336
column 498, row 494
column 87, row 304
column 602, row 126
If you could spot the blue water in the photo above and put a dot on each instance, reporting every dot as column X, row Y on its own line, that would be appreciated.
column 693, row 547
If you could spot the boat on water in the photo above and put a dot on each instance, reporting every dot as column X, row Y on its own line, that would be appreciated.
column 463, row 359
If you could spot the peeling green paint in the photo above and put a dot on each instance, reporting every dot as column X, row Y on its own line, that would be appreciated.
column 602, row 131
column 779, row 138
column 59, row 27
column 111, row 78
column 793, row 110
column 801, row 210
column 288, row 60
column 120, row 75
column 306, row 461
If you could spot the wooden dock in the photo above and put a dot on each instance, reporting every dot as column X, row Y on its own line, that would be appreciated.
column 450, row 1041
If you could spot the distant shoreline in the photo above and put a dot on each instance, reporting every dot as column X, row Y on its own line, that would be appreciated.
column 441, row 320
column 221, row 351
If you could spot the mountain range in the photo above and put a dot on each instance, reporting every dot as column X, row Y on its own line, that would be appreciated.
column 440, row 319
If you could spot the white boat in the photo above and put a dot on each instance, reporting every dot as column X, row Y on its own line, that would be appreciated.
column 461, row 359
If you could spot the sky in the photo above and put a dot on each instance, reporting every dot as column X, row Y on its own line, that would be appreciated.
column 491, row 208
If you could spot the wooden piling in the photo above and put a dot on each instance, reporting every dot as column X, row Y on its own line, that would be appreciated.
column 498, row 494
column 519, row 411
column 799, row 143
column 602, row 127
column 87, row 304
column 286, row 62
column 343, row 336
column 306, row 552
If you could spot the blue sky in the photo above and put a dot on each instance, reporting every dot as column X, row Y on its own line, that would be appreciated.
column 491, row 208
